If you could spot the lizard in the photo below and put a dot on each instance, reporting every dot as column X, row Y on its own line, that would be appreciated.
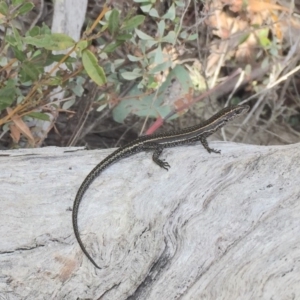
column 156, row 143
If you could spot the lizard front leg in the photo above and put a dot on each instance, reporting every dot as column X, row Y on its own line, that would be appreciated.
column 204, row 143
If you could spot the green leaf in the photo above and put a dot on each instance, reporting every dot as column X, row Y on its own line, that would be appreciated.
column 68, row 104
column 153, row 13
column 113, row 22
column 24, row 78
column 92, row 68
column 34, row 31
column 243, row 38
column 45, row 29
column 151, row 105
column 146, row 7
column 55, row 41
column 161, row 27
column 264, row 41
column 11, row 40
column 159, row 57
column 39, row 116
column 19, row 54
column 133, row 22
column 136, row 73
column 81, row 45
column 60, row 41
column 70, row 66
column 161, row 67
column 101, row 107
column 18, row 39
column 58, row 57
column 31, row 70
column 263, row 34
column 41, row 59
column 54, row 81
column 124, row 37
column 180, row 3
column 77, row 88
column 169, row 38
column 40, row 41
column 17, row 2
column 256, row 26
column 192, row 37
column 171, row 13
column 25, row 8
column 111, row 47
column 7, row 96
column 3, row 8
column 134, row 58
column 142, row 35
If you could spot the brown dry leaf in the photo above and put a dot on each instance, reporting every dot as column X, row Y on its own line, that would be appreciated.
column 277, row 26
column 253, row 6
column 228, row 28
column 268, row 12
column 260, row 12
column 184, row 100
column 15, row 133
column 241, row 27
column 172, row 93
column 257, row 6
column 221, row 23
column 245, row 51
column 221, row 51
column 113, row 99
column 21, row 126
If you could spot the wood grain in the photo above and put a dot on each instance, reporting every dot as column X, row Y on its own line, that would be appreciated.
column 212, row 227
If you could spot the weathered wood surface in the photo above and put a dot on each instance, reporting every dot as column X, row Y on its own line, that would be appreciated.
column 68, row 17
column 212, row 227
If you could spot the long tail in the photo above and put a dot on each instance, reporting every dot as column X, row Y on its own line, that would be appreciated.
column 84, row 186
column 112, row 158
